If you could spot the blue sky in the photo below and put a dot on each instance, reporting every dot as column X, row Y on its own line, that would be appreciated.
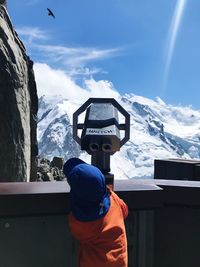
column 149, row 48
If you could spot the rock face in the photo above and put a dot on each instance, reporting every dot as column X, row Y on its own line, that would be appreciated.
column 55, row 130
column 3, row 2
column 18, row 106
column 50, row 170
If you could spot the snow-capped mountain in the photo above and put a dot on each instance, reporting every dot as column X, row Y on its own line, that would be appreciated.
column 157, row 130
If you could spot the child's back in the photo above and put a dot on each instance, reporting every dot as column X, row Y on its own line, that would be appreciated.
column 103, row 239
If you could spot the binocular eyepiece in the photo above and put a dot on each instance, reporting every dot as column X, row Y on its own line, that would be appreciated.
column 95, row 147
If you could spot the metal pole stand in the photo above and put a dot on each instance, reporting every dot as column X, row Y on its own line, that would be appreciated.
column 101, row 160
column 109, row 180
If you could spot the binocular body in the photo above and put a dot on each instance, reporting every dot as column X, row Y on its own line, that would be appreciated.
column 101, row 129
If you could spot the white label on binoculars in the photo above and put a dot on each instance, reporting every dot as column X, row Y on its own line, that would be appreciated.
column 98, row 131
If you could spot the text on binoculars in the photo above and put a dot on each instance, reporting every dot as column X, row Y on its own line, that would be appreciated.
column 98, row 131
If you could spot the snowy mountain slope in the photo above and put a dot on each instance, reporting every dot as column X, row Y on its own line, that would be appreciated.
column 157, row 131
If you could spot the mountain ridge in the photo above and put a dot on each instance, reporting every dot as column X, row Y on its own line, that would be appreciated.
column 157, row 130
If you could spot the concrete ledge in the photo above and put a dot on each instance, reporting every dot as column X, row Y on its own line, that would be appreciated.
column 180, row 193
column 27, row 199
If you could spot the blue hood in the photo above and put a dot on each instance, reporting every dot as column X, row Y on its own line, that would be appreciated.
column 90, row 199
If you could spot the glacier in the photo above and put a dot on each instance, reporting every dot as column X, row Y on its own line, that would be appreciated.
column 157, row 130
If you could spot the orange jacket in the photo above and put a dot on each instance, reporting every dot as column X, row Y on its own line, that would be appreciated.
column 103, row 242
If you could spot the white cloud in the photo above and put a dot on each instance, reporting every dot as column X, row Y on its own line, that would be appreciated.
column 69, row 56
column 30, row 34
column 85, row 71
column 56, row 82
column 101, row 88
column 75, row 56
column 74, row 59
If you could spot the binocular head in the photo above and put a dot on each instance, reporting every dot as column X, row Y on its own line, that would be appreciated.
column 101, row 129
column 100, row 135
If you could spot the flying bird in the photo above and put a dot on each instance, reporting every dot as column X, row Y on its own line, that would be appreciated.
column 50, row 13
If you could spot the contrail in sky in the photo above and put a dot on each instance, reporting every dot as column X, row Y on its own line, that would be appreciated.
column 173, row 31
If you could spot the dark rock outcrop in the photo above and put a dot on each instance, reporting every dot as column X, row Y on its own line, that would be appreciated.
column 3, row 2
column 50, row 170
column 18, row 106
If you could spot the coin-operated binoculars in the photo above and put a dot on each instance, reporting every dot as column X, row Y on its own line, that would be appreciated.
column 101, row 129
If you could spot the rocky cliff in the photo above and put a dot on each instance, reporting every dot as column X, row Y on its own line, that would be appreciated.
column 18, row 106
column 3, row 2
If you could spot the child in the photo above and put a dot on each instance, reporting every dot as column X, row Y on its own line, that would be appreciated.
column 96, row 218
